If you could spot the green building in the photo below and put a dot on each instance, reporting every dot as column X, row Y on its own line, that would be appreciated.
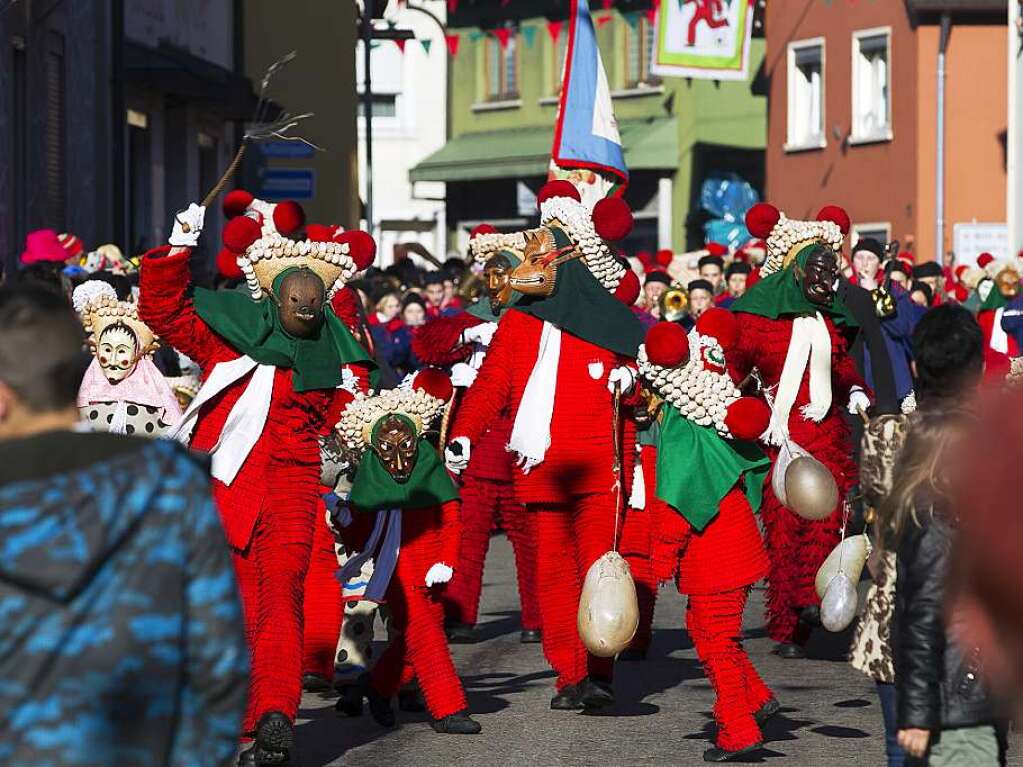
column 503, row 96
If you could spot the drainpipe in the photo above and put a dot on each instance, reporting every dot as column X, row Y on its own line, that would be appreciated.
column 939, row 171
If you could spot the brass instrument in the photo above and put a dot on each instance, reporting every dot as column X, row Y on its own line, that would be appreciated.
column 673, row 304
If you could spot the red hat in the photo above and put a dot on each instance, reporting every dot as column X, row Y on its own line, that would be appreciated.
column 720, row 324
column 646, row 258
column 43, row 246
column 71, row 244
column 960, row 270
column 716, row 249
column 667, row 344
column 482, row 229
column 558, row 188
column 612, row 219
column 984, row 259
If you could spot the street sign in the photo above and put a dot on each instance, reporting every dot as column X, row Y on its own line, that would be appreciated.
column 288, row 184
column 290, row 149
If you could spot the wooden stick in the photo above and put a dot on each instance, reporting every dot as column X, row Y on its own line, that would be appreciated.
column 445, row 423
column 216, row 190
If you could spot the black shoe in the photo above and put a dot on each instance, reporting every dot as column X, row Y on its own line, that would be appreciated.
column 380, row 709
column 530, row 636
column 630, row 654
column 350, row 702
column 275, row 739
column 720, row 755
column 411, row 701
column 567, row 699
column 247, row 758
column 456, row 724
column 789, row 651
column 595, row 693
column 763, row 714
column 811, row 616
column 461, row 633
column 314, row 683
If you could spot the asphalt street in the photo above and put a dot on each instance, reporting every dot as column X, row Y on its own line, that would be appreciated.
column 830, row 713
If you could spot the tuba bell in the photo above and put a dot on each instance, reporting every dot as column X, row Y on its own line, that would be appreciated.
column 673, row 304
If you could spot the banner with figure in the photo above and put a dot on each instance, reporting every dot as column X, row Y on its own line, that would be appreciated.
column 707, row 39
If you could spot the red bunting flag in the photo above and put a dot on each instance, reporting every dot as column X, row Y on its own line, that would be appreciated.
column 452, row 6
column 401, row 44
column 452, row 41
column 608, row 4
column 651, row 15
column 602, row 21
column 554, row 29
column 503, row 35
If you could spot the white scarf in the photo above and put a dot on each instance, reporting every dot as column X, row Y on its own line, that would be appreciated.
column 531, row 433
column 245, row 422
column 810, row 343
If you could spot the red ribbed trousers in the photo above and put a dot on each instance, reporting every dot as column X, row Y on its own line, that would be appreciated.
column 570, row 537
column 421, row 647
column 714, row 622
column 484, row 503
column 638, row 549
column 270, row 574
column 323, row 607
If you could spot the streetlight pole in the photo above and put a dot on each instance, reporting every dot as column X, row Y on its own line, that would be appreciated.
column 367, row 106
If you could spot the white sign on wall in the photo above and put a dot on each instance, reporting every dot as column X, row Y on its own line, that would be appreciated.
column 970, row 240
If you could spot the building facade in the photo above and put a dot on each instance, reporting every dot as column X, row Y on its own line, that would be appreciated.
column 506, row 77
column 854, row 118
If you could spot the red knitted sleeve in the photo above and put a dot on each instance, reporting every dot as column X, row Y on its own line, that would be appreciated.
column 740, row 357
column 439, row 341
column 490, row 394
column 451, row 532
column 164, row 305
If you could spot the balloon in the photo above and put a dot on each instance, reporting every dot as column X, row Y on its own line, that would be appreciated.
column 838, row 607
column 608, row 609
column 810, row 490
column 847, row 557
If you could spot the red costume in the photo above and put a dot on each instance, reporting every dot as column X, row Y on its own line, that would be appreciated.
column 637, row 546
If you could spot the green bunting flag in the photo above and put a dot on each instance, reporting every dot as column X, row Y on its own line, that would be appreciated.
column 529, row 35
column 426, row 46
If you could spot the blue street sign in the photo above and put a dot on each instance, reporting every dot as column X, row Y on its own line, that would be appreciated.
column 290, row 149
column 288, row 184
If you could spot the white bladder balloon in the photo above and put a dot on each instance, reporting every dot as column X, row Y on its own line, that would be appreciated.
column 847, row 557
column 608, row 609
column 789, row 451
column 838, row 607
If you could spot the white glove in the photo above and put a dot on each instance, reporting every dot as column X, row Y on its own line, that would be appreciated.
column 192, row 218
column 481, row 334
column 622, row 375
column 462, row 375
column 456, row 455
column 858, row 400
column 438, row 573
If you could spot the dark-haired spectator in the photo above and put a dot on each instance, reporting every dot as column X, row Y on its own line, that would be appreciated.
column 712, row 267
column 866, row 263
column 921, row 294
column 736, row 276
column 701, row 298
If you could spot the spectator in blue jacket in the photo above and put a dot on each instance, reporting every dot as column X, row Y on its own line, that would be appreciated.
column 121, row 639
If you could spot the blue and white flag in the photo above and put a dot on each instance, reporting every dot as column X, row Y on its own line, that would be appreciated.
column 586, row 134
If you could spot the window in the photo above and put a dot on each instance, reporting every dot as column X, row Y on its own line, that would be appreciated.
column 559, row 52
column 806, row 95
column 384, row 105
column 502, row 70
column 871, row 85
column 639, row 53
column 881, row 232
column 387, row 68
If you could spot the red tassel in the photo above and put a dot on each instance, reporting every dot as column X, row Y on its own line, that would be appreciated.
column 554, row 29
column 452, row 42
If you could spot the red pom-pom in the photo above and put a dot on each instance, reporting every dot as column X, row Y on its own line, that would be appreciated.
column 236, row 202
column 646, row 258
column 667, row 344
column 612, row 219
column 557, row 189
column 664, row 257
column 984, row 259
column 434, row 382
column 361, row 247
column 761, row 219
column 747, row 418
column 227, row 265
column 716, row 249
column 288, row 217
column 241, row 232
column 720, row 324
column 836, row 215
column 628, row 289
column 320, row 232
column 482, row 229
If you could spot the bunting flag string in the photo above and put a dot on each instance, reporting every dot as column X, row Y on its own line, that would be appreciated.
column 554, row 29
column 529, row 35
column 452, row 42
column 427, row 44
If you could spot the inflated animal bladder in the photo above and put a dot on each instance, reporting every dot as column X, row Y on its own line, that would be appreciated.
column 608, row 609
column 847, row 557
column 803, row 483
column 838, row 607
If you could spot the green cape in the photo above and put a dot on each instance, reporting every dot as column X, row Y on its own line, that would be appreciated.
column 781, row 294
column 254, row 328
column 696, row 468
column 429, row 485
column 582, row 306
column 994, row 301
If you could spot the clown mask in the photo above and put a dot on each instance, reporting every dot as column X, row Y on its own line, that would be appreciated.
column 117, row 352
column 396, row 444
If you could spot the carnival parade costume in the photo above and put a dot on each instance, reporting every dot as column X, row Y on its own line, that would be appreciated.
column 709, row 480
column 801, row 356
column 405, row 517
column 268, row 394
column 553, row 363
column 460, row 342
column 122, row 391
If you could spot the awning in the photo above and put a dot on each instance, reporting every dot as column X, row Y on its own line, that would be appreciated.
column 523, row 152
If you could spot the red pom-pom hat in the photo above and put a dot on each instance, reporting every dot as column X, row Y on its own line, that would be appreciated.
column 241, row 232
column 482, row 229
column 362, row 247
column 761, row 220
column 667, row 345
column 558, row 188
column 835, row 215
column 236, row 202
column 289, row 217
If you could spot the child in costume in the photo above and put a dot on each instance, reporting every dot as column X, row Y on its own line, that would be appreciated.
column 406, row 519
column 272, row 362
column 709, row 481
column 791, row 331
column 488, row 498
column 554, row 363
column 122, row 391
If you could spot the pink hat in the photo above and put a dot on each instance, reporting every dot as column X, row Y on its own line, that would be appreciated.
column 43, row 245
